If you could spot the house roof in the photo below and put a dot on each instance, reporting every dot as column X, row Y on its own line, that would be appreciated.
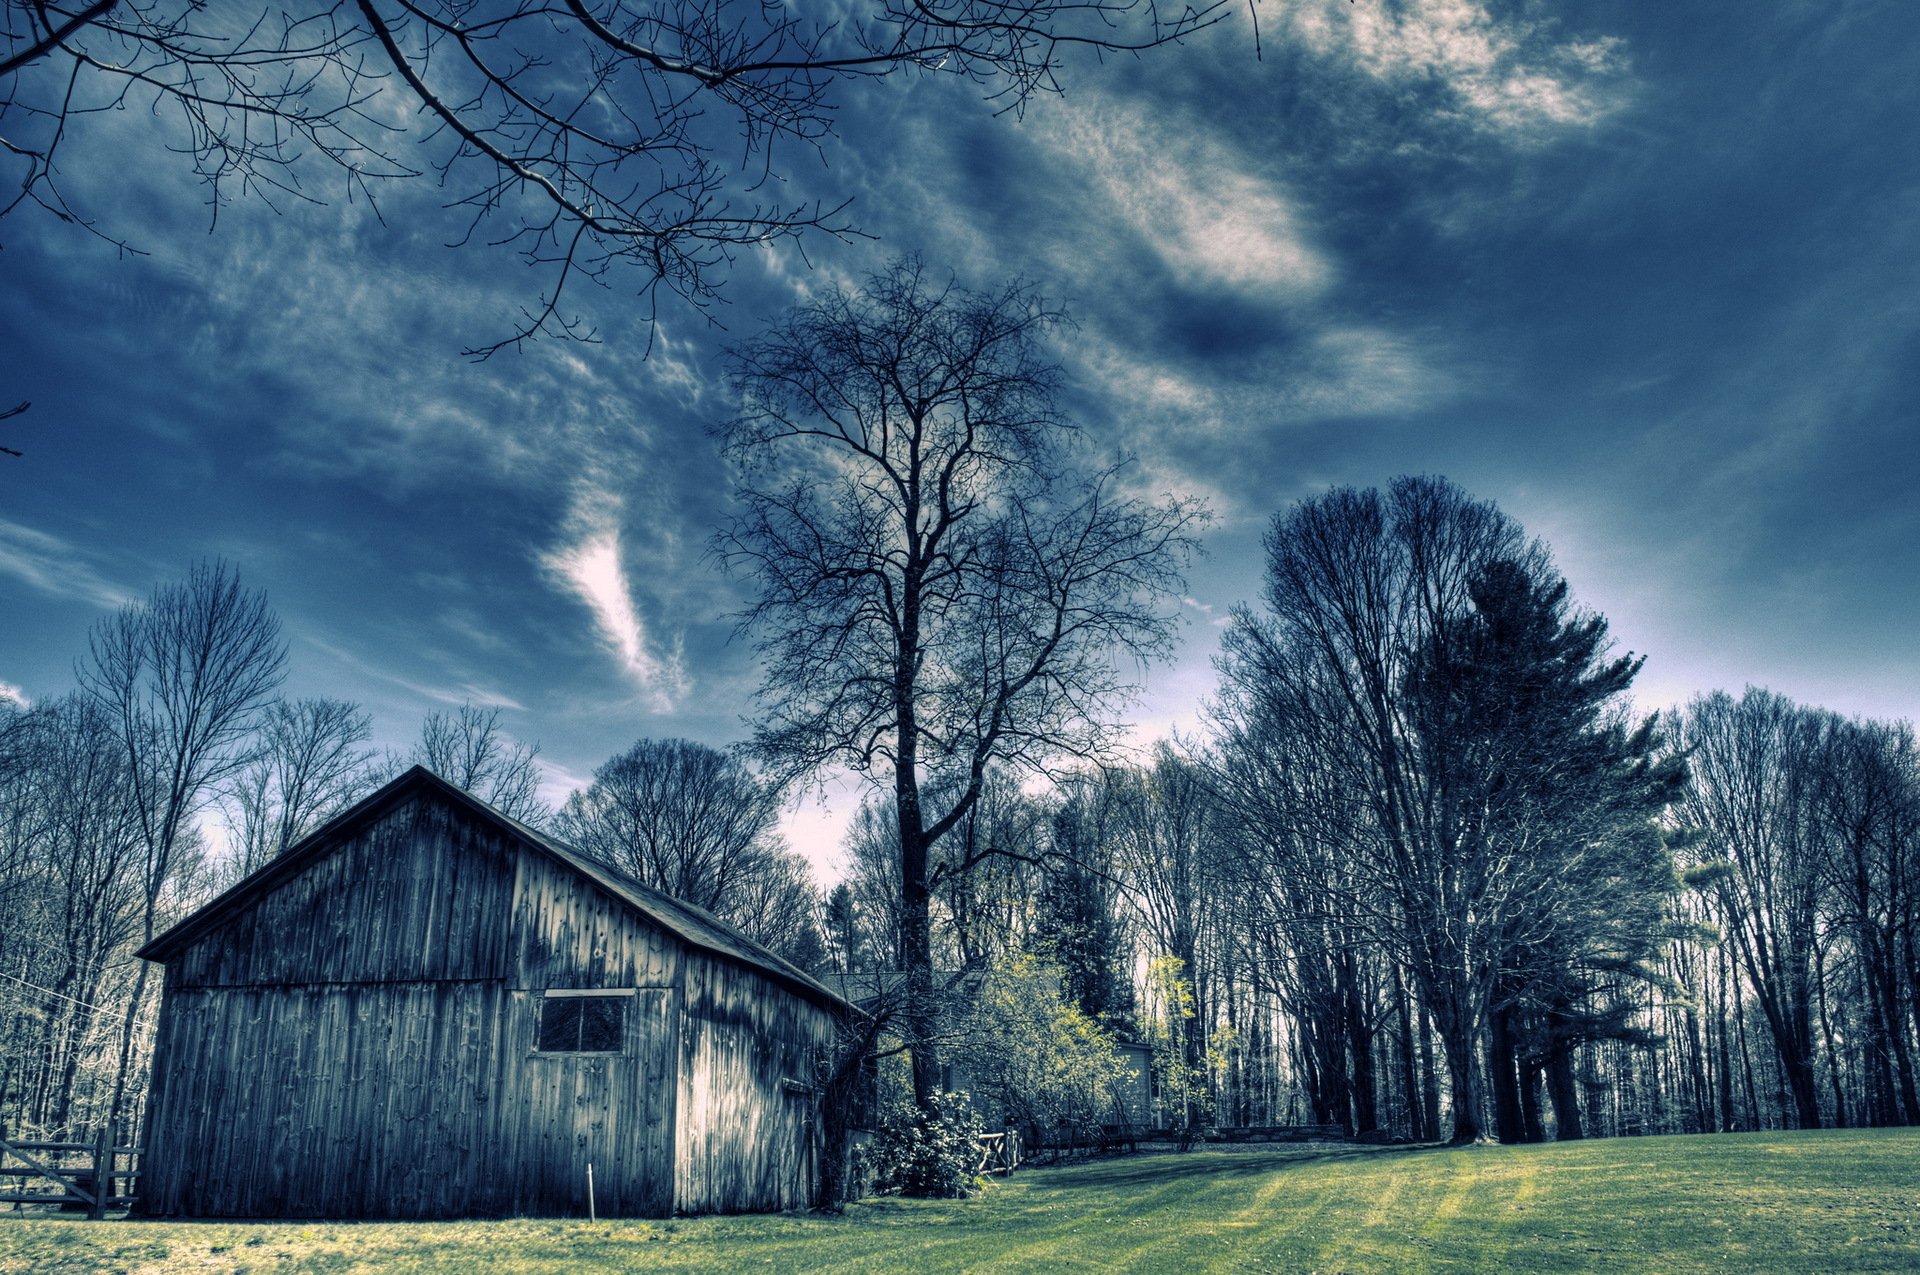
column 694, row 926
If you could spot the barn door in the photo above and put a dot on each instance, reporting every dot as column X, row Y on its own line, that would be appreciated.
column 599, row 1091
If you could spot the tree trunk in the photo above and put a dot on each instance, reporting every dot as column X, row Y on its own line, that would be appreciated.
column 1564, row 1090
column 1430, row 1076
column 918, row 1019
column 1418, row 1128
column 1896, row 1037
column 1502, row 1069
column 1359, row 1033
column 1729, row 1116
column 1532, row 1110
column 1457, row 1034
column 1826, row 1033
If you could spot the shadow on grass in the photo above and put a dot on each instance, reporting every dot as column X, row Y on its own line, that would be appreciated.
column 1215, row 1162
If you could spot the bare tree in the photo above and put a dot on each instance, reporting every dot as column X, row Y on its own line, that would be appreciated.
column 696, row 823
column 1170, row 855
column 70, row 901
column 309, row 764
column 939, row 589
column 183, row 676
column 589, row 135
column 776, row 904
column 1294, row 880
column 469, row 750
column 682, row 817
column 1868, row 794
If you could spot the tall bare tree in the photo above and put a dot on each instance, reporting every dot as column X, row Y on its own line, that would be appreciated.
column 940, row 589
column 469, row 750
column 696, row 823
column 309, row 763
column 1868, row 792
column 682, row 817
column 184, row 677
column 70, row 899
column 591, row 135
column 1754, row 763
column 1170, row 858
column 1424, row 644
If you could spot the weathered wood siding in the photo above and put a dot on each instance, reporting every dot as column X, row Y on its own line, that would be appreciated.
column 358, row 1040
column 567, row 932
column 326, row 1051
column 616, row 1113
column 420, row 894
column 748, row 1110
column 341, row 1101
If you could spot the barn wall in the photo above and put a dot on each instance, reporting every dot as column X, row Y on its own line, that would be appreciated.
column 567, row 932
column 565, row 1111
column 330, row 1101
column 419, row 894
column 748, row 1111
column 359, row 1041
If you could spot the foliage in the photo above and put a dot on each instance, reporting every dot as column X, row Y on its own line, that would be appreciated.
column 1032, row 1054
column 1181, row 1068
column 930, row 1151
column 1079, row 927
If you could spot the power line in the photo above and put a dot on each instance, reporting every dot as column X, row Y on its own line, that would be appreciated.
column 72, row 1000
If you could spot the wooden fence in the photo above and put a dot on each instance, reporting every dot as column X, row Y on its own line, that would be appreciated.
column 999, row 1152
column 74, row 1175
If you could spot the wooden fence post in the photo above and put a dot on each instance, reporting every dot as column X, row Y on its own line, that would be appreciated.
column 102, row 1171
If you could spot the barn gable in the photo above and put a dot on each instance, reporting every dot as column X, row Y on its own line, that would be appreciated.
column 357, row 1031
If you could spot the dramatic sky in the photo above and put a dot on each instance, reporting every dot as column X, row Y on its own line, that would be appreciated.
column 1646, row 276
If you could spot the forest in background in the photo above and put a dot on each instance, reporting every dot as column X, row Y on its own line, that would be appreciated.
column 1426, row 873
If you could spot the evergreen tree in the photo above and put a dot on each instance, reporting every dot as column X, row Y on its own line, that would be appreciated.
column 1518, row 712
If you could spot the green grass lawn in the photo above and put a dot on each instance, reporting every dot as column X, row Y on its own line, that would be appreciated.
column 1755, row 1204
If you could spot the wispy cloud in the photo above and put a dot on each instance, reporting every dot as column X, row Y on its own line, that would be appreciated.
column 590, row 564
column 558, row 782
column 55, row 567
column 1509, row 75
column 1208, row 611
column 1210, row 219
column 8, row 691
column 463, row 692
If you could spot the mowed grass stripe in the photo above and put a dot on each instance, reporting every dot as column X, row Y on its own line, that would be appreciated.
column 1836, row 1201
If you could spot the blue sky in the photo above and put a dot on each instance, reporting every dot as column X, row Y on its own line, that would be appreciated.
column 1646, row 276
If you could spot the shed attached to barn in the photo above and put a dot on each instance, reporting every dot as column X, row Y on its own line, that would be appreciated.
column 428, row 1009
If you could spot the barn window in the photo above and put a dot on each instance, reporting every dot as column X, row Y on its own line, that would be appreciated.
column 582, row 1022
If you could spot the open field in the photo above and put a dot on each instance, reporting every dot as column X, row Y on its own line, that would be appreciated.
column 1835, row 1201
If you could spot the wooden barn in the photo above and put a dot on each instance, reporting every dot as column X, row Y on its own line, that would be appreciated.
column 428, row 1009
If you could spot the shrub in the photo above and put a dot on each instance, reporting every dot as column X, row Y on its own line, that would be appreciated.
column 933, row 1154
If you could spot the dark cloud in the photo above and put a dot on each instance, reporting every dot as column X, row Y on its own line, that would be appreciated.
column 1646, row 279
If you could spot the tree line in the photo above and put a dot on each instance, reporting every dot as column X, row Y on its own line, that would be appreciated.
column 1425, row 873
column 1519, row 911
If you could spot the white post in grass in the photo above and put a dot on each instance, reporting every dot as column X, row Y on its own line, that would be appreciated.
column 590, row 1209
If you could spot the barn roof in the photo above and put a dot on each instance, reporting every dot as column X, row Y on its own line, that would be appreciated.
column 694, row 926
